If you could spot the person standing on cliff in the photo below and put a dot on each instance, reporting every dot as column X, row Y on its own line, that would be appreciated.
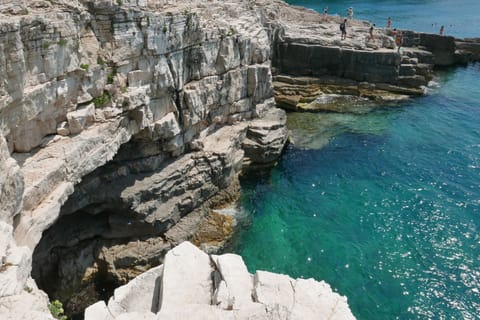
column 350, row 14
column 442, row 30
column 398, row 39
column 325, row 13
column 389, row 23
column 343, row 29
column 370, row 38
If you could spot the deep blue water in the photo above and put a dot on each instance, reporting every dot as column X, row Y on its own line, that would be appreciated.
column 385, row 205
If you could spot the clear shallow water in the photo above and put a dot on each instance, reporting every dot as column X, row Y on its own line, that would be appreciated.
column 387, row 212
column 384, row 206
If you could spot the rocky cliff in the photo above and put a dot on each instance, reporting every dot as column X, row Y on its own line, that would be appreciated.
column 310, row 60
column 193, row 285
column 122, row 124
column 125, row 123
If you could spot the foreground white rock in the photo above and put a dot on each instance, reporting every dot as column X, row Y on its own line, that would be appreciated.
column 187, row 287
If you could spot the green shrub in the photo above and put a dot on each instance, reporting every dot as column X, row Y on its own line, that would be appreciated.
column 102, row 100
column 100, row 61
column 45, row 45
column 111, row 75
column 84, row 66
column 62, row 42
column 56, row 309
column 119, row 2
column 231, row 32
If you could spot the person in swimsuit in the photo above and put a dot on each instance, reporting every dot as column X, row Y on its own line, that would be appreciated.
column 370, row 38
column 389, row 23
column 398, row 39
column 343, row 28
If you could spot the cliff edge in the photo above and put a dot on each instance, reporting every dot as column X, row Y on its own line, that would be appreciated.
column 124, row 125
column 193, row 285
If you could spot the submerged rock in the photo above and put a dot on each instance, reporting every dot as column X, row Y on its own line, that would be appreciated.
column 193, row 285
column 336, row 94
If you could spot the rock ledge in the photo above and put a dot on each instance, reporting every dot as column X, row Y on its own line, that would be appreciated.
column 193, row 285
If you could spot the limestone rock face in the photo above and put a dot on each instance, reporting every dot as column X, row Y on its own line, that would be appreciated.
column 265, row 137
column 122, row 123
column 306, row 44
column 468, row 50
column 182, row 286
column 191, row 286
column 140, row 294
column 29, row 303
column 11, row 186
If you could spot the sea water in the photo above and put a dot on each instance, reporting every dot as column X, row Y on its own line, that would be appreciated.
column 383, row 205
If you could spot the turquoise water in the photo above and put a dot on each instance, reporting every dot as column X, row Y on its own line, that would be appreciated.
column 461, row 18
column 384, row 206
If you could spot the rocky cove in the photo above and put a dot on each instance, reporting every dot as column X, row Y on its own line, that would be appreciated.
column 125, row 123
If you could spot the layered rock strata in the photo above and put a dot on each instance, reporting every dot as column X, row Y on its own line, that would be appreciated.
column 193, row 285
column 122, row 123
column 311, row 61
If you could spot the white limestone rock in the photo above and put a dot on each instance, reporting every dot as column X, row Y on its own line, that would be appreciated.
column 137, row 316
column 316, row 300
column 186, row 278
column 80, row 119
column 139, row 295
column 98, row 311
column 16, row 269
column 167, row 127
column 222, row 298
column 29, row 304
column 62, row 129
column 197, row 312
column 13, row 6
column 139, row 78
column 238, row 281
column 275, row 291
column 5, row 239
column 11, row 184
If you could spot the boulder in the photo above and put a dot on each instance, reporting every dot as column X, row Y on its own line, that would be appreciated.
column 236, row 279
column 186, row 278
column 80, row 119
column 316, row 300
column 140, row 294
column 275, row 291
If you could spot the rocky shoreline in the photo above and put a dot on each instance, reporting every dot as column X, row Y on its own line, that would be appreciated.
column 124, row 124
column 193, row 285
column 310, row 61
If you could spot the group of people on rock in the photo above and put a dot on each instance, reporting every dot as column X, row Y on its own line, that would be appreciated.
column 397, row 34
